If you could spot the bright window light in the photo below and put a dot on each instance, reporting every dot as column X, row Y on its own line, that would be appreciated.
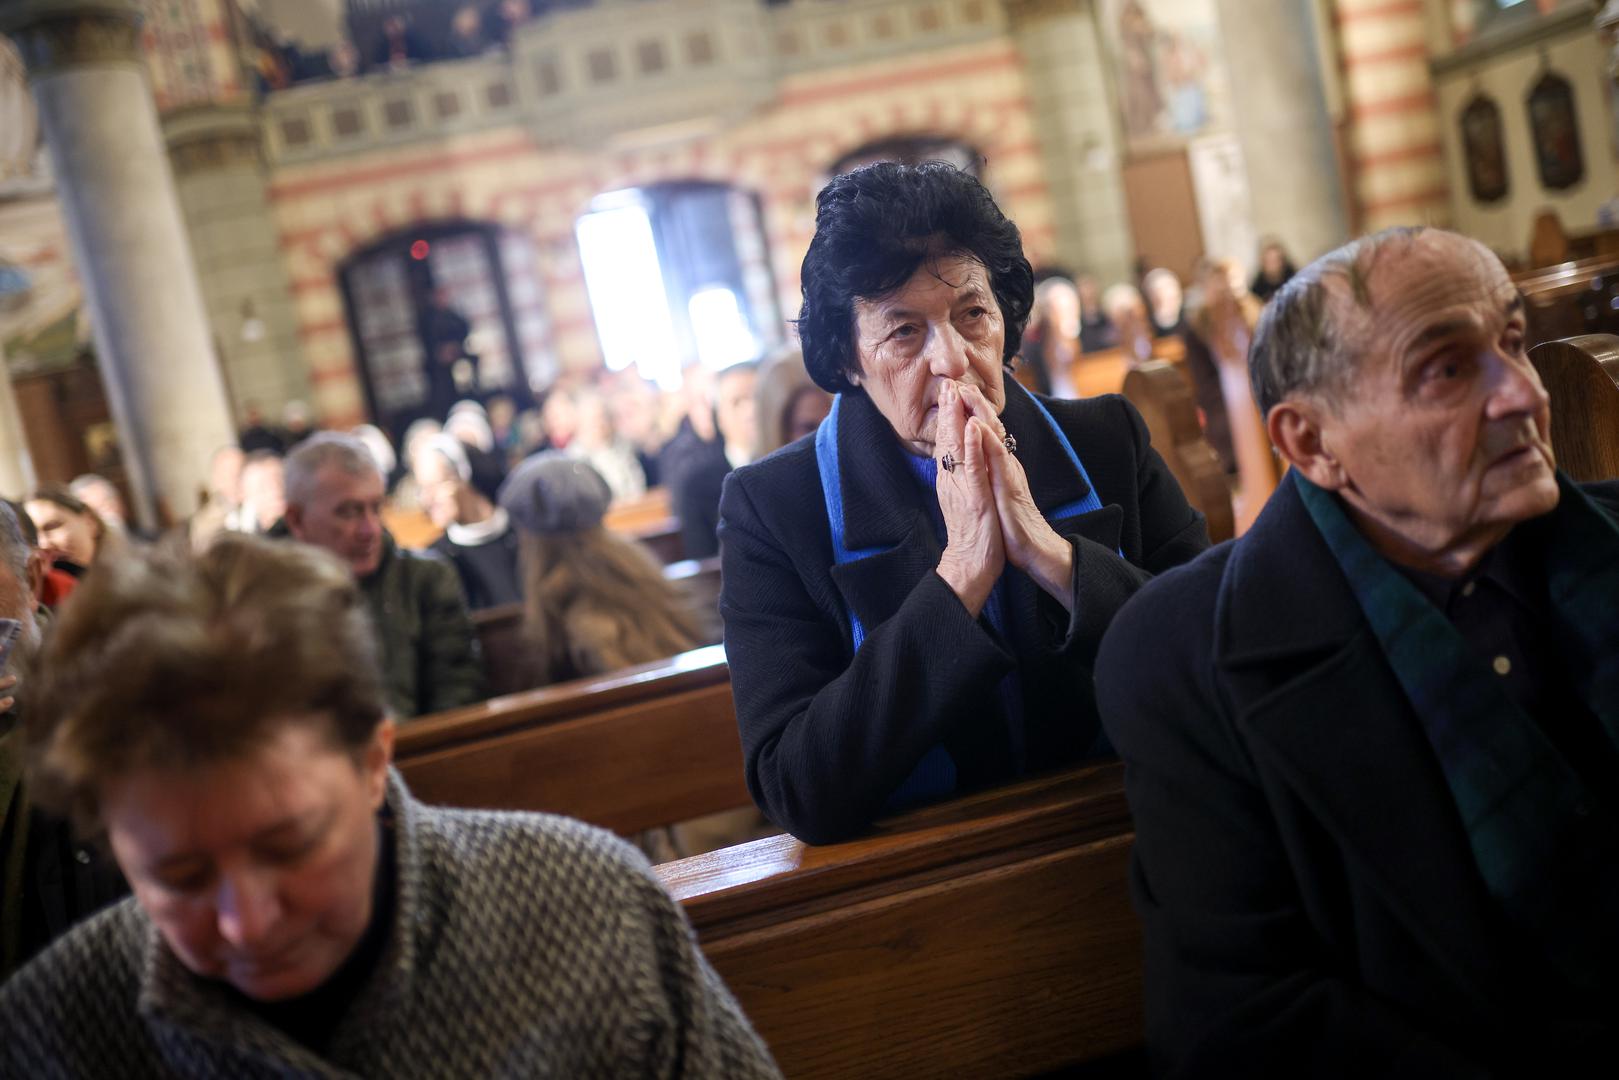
column 620, row 261
column 722, row 333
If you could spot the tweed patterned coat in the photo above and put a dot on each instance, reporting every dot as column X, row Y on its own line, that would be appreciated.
column 523, row 945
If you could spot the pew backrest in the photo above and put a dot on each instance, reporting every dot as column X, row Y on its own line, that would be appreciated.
column 636, row 749
column 1571, row 298
column 1162, row 393
column 1581, row 375
column 988, row 936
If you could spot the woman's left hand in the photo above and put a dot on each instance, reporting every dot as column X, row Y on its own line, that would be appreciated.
column 1032, row 545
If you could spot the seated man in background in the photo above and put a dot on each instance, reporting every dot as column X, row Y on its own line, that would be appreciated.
column 296, row 911
column 695, row 483
column 47, row 880
column 429, row 649
column 1372, row 747
column 478, row 538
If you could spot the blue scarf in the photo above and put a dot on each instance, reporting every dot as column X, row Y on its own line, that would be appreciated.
column 1528, row 818
column 935, row 775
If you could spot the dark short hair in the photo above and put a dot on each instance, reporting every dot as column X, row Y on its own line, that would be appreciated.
column 874, row 227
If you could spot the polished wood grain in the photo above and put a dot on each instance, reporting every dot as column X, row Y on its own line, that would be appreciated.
column 1582, row 376
column 1572, row 298
column 989, row 936
column 640, row 748
column 1162, row 394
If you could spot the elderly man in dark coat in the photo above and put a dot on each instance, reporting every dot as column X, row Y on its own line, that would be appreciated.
column 1373, row 745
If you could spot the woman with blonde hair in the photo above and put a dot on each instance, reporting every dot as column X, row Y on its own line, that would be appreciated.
column 595, row 601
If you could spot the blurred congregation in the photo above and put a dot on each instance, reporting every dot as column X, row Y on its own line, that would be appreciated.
column 809, row 538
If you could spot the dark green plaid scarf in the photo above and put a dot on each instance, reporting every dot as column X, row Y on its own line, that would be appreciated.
column 1545, row 853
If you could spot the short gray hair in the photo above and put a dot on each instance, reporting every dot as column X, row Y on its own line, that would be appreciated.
column 1299, row 348
column 315, row 453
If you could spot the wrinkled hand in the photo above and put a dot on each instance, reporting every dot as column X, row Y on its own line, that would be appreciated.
column 7, row 684
column 1031, row 544
column 974, row 552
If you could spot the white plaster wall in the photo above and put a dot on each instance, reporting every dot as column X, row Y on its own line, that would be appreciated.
column 1505, row 225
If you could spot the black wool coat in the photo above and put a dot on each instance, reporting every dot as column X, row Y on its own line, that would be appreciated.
column 1310, row 903
column 828, row 736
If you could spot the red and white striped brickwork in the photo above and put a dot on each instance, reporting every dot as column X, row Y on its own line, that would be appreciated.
column 327, row 211
column 1396, row 156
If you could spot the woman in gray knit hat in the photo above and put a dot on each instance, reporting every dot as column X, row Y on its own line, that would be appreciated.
column 220, row 717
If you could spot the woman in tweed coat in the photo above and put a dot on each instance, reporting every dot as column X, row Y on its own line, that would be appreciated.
column 296, row 912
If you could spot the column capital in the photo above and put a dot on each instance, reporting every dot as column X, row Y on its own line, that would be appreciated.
column 53, row 35
column 1026, row 12
column 203, row 138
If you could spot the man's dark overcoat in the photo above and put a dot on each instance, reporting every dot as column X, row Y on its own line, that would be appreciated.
column 1310, row 902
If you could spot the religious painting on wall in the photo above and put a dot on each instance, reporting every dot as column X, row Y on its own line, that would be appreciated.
column 1555, row 132
column 1168, row 70
column 1484, row 149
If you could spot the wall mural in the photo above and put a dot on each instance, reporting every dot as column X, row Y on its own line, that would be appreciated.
column 1555, row 131
column 1484, row 148
column 1167, row 67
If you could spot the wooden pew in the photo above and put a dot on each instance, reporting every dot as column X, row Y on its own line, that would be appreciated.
column 1572, row 298
column 640, row 748
column 990, row 936
column 505, row 652
column 651, row 520
column 1162, row 393
column 1582, row 376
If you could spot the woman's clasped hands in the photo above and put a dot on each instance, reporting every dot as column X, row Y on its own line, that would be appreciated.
column 990, row 517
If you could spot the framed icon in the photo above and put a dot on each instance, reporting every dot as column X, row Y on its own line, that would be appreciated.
column 1484, row 149
column 1555, row 131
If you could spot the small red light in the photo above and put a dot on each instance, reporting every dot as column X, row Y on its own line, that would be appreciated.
column 419, row 250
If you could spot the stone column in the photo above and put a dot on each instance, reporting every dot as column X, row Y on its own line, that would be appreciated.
column 1279, row 116
column 221, row 183
column 129, row 243
column 16, row 463
column 1071, row 104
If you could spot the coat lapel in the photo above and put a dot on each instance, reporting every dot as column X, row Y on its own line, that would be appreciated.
column 1316, row 698
column 882, row 513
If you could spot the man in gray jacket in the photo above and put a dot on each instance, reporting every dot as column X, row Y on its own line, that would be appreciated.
column 429, row 648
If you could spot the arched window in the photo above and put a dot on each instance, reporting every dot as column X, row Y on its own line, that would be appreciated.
column 678, row 274
column 443, row 312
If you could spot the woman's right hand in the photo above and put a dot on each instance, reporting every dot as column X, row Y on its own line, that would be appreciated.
column 975, row 551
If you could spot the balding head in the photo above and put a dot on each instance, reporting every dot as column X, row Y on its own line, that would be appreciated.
column 1395, row 373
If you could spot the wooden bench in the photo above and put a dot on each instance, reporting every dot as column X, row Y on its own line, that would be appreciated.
column 651, row 520
column 1571, row 299
column 637, row 749
column 990, row 936
column 505, row 652
column 1162, row 394
column 1582, row 376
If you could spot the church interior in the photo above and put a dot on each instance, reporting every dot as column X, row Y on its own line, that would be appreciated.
column 229, row 226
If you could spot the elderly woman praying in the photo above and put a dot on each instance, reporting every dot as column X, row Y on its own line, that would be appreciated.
column 913, row 596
